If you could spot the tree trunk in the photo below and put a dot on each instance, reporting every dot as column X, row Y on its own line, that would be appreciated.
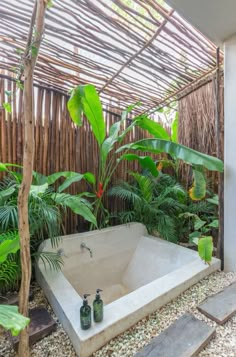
column 34, row 40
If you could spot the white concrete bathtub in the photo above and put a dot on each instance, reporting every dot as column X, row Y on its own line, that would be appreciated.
column 138, row 274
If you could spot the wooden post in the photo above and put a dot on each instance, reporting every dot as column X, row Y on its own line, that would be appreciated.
column 220, row 155
column 29, row 62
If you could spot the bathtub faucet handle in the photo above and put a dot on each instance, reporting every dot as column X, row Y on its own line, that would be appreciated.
column 84, row 246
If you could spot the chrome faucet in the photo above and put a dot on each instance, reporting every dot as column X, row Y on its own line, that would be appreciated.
column 84, row 246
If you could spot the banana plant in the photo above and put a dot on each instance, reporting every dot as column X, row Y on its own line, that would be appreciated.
column 85, row 100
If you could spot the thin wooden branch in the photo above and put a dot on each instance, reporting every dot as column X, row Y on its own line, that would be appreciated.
column 136, row 54
column 29, row 62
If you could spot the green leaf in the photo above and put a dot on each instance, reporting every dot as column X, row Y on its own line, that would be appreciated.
column 175, row 128
column 19, row 51
column 205, row 248
column 198, row 223
column 7, row 247
column 10, row 319
column 8, row 92
column 7, row 107
column 214, row 224
column 75, row 106
column 76, row 178
column 152, row 127
column 145, row 161
column 85, row 99
column 70, row 175
column 125, row 112
column 38, row 189
column 193, row 236
column 34, row 51
column 7, row 192
column 76, row 204
column 198, row 190
column 214, row 200
column 49, row 4
column 19, row 84
column 177, row 151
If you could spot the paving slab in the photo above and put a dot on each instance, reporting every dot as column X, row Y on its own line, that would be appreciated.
column 12, row 298
column 41, row 325
column 221, row 306
column 186, row 337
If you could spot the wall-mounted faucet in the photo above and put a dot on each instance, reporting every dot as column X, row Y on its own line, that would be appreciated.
column 84, row 246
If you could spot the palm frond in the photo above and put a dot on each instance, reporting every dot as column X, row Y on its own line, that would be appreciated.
column 50, row 260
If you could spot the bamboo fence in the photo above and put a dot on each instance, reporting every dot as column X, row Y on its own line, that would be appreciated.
column 59, row 144
column 198, row 128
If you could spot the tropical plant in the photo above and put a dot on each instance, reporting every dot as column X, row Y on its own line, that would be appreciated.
column 84, row 99
column 10, row 267
column 154, row 201
column 10, row 319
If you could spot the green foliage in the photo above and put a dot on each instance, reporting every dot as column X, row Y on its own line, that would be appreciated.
column 10, row 319
column 77, row 204
column 175, row 128
column 50, row 259
column 9, row 269
column 145, row 161
column 205, row 249
column 7, row 107
column 198, row 190
column 155, row 202
column 9, row 243
column 177, row 151
column 84, row 98
column 152, row 127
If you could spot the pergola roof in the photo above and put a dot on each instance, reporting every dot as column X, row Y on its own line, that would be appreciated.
column 132, row 50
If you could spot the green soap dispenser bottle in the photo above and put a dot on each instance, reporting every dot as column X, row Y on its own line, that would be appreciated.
column 85, row 314
column 98, row 307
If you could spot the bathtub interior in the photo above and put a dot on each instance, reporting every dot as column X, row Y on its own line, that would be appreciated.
column 120, row 264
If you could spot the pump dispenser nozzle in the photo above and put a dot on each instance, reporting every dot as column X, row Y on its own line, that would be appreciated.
column 98, row 307
column 85, row 314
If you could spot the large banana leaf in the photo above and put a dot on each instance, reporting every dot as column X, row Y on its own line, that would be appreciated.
column 145, row 161
column 10, row 319
column 152, row 127
column 85, row 99
column 71, row 177
column 177, row 151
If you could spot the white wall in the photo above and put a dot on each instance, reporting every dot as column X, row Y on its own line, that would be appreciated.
column 230, row 155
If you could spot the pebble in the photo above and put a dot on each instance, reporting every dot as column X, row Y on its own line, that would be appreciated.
column 127, row 344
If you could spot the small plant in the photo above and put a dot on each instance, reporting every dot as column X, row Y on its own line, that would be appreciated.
column 10, row 319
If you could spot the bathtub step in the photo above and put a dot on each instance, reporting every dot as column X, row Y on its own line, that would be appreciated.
column 184, row 338
column 221, row 306
column 41, row 325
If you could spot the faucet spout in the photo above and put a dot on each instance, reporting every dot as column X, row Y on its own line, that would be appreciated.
column 84, row 246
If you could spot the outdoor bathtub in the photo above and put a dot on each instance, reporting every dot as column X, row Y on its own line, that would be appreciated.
column 138, row 274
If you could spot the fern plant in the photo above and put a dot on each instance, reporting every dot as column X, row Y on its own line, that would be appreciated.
column 45, row 221
column 10, row 267
column 154, row 201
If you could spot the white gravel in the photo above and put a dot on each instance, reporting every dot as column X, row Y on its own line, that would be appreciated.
column 128, row 343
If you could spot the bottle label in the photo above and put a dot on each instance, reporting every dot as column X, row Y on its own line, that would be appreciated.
column 85, row 322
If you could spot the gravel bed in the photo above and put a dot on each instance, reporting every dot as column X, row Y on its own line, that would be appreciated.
column 128, row 343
